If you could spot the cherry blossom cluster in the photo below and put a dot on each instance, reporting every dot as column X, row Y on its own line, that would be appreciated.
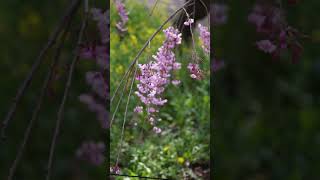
column 102, row 19
column 279, row 37
column 155, row 75
column 194, row 68
column 204, row 38
column 121, row 25
column 189, row 22
column 219, row 16
column 96, row 100
column 115, row 169
column 98, row 53
column 95, row 107
column 195, row 71
column 98, row 83
column 92, row 152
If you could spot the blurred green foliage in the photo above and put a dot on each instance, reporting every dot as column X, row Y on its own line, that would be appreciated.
column 184, row 142
column 266, row 112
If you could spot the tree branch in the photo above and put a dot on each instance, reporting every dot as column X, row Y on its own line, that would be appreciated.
column 52, row 40
column 37, row 109
column 65, row 95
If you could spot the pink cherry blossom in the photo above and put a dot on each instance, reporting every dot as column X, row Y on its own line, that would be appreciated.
column 175, row 82
column 155, row 75
column 195, row 71
column 189, row 22
column 157, row 130
column 123, row 16
column 98, row 108
column 204, row 38
column 92, row 152
column 138, row 109
column 266, row 46
column 102, row 19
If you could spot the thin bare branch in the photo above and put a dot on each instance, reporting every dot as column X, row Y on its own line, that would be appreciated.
column 65, row 95
column 154, row 6
column 39, row 103
column 52, row 40
column 125, row 113
column 208, row 13
column 120, row 99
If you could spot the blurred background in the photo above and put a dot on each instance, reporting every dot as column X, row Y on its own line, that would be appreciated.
column 24, row 29
column 266, row 112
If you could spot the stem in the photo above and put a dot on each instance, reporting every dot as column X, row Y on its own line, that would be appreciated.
column 194, row 52
column 65, row 95
column 122, row 93
column 39, row 104
column 154, row 6
column 208, row 13
column 52, row 40
column 125, row 114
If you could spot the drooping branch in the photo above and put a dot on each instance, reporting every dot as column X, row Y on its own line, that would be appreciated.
column 120, row 99
column 52, row 40
column 37, row 109
column 125, row 114
column 65, row 95
column 154, row 6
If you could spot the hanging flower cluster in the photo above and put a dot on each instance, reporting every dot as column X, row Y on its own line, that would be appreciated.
column 121, row 25
column 270, row 23
column 99, row 53
column 95, row 52
column 155, row 76
column 204, row 38
column 195, row 71
column 98, row 108
column 115, row 169
column 219, row 17
column 92, row 152
column 194, row 68
column 102, row 19
column 189, row 22
column 97, row 80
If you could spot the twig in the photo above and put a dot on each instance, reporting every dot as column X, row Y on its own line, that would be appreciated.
column 122, row 93
column 194, row 53
column 125, row 113
column 154, row 6
column 52, row 40
column 39, row 103
column 208, row 13
column 180, row 24
column 65, row 95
